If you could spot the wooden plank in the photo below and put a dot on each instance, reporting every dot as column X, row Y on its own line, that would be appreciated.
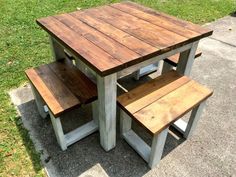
column 151, row 91
column 156, row 20
column 173, row 60
column 185, row 24
column 56, row 95
column 149, row 33
column 95, row 57
column 79, row 84
column 120, row 36
column 160, row 114
column 115, row 49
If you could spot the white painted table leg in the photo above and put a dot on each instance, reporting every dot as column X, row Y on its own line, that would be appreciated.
column 193, row 120
column 166, row 67
column 56, row 122
column 39, row 102
column 57, row 50
column 186, row 60
column 107, row 93
column 158, row 144
column 125, row 122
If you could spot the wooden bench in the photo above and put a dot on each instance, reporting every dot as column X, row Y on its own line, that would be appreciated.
column 172, row 61
column 59, row 87
column 156, row 105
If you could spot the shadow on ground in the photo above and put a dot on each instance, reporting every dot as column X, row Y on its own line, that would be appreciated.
column 87, row 153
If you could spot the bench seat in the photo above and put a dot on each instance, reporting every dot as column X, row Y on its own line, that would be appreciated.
column 156, row 105
column 60, row 87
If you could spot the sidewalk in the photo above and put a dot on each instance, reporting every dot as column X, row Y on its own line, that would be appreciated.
column 210, row 152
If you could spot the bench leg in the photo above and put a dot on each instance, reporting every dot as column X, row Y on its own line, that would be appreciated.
column 39, row 102
column 166, row 67
column 125, row 123
column 56, row 123
column 158, row 144
column 194, row 118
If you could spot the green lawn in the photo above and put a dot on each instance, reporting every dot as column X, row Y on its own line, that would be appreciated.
column 24, row 45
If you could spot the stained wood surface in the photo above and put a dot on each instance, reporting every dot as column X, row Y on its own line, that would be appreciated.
column 158, row 103
column 62, row 86
column 173, row 60
column 113, row 37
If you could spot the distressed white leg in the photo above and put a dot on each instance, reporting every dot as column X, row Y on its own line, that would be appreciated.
column 194, row 118
column 39, row 102
column 95, row 112
column 158, row 144
column 125, row 123
column 107, row 93
column 56, row 123
column 186, row 60
column 166, row 67
column 57, row 50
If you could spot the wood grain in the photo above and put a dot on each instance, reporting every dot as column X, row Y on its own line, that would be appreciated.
column 57, row 84
column 115, row 49
column 158, row 103
column 94, row 56
column 151, row 91
column 120, row 36
column 177, row 21
column 143, row 30
column 174, row 105
column 156, row 20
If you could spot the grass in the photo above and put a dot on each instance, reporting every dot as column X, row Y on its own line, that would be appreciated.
column 24, row 45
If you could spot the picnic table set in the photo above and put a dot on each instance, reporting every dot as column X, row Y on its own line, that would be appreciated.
column 93, row 48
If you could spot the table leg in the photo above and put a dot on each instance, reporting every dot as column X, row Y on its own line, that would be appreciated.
column 186, row 60
column 107, row 92
column 57, row 49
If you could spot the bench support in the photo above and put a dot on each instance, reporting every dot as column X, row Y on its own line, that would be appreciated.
column 152, row 155
column 65, row 140
column 188, row 128
column 39, row 102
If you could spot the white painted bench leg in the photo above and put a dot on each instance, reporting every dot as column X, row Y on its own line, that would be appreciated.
column 186, row 60
column 166, row 67
column 194, row 118
column 125, row 123
column 158, row 144
column 57, row 50
column 56, row 123
column 39, row 102
column 95, row 112
column 107, row 93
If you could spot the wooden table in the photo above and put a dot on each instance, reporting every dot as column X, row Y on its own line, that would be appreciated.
column 117, row 39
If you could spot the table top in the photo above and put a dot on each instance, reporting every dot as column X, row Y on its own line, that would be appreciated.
column 113, row 37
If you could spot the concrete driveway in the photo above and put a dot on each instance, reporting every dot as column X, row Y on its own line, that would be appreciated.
column 210, row 152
